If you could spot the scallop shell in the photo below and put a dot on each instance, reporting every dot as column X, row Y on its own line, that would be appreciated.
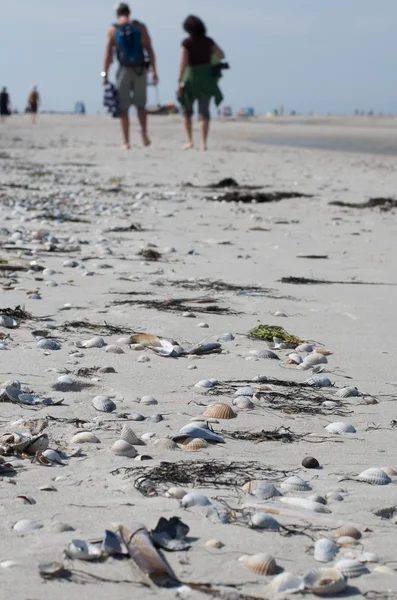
column 148, row 401
column 389, row 471
column 85, row 437
column 48, row 344
column 319, row 381
column 306, row 504
column 325, row 581
column 267, row 354
column 103, row 404
column 123, row 448
column 194, row 499
column 176, row 492
column 374, row 476
column 129, row 436
column 261, row 489
column 304, row 348
column 219, row 411
column 295, row 358
column 295, row 484
column 260, row 564
column 311, row 360
column 204, row 383
column 193, row 444
column 309, row 462
column 94, row 342
column 165, row 444
column 26, row 525
column 325, row 550
column 351, row 567
column 83, row 551
column 243, row 402
column 287, row 582
column 193, row 431
column 347, row 392
column 245, row 391
column 260, row 520
column 8, row 322
column 339, row 428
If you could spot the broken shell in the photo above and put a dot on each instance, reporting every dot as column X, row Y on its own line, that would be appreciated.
column 347, row 392
column 319, row 381
column 287, row 582
column 325, row 550
column 51, row 569
column 260, row 379
column 176, row 492
column 111, row 544
column 374, row 476
column 83, row 551
column 85, row 437
column 260, row 564
column 37, row 444
column 295, row 484
column 214, row 544
column 26, row 525
column 148, row 400
column 245, row 391
column 261, row 520
column 219, row 411
column 48, row 344
column 193, row 444
column 340, row 428
column 194, row 499
column 261, row 489
column 146, row 437
column 122, row 448
column 129, row 436
column 243, row 402
column 309, row 462
column 114, row 349
column 103, row 404
column 324, row 582
column 306, row 504
column 166, row 444
column 193, row 431
column 389, row 471
column 351, row 567
column 95, row 342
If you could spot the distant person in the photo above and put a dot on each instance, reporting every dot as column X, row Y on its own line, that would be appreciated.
column 33, row 103
column 135, row 55
column 4, row 104
column 196, row 78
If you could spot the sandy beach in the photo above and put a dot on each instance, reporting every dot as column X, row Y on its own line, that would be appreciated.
column 97, row 241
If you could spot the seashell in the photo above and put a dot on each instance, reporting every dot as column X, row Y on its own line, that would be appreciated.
column 125, row 341
column 368, row 557
column 219, row 411
column 111, row 544
column 329, row 404
column 218, row 516
column 203, row 325
column 94, row 342
column 261, row 489
column 325, row 581
column 146, row 437
column 323, row 351
column 26, row 525
column 129, row 436
column 334, row 496
column 48, row 344
column 37, row 444
column 348, row 531
column 28, row 399
column 214, row 544
column 319, row 381
column 65, row 380
column 295, row 358
column 260, row 564
column 245, row 391
column 304, row 348
column 389, row 471
column 166, row 444
column 243, row 402
column 156, row 418
column 309, row 462
column 261, row 520
column 260, row 379
column 137, row 417
column 351, row 567
column 7, row 564
column 103, row 404
column 317, row 498
column 193, row 431
column 194, row 499
column 123, row 448
column 312, row 360
column 226, row 337
column 83, row 550
column 287, row 582
column 340, row 428
column 295, row 484
column 306, row 504
column 194, row 444
column 70, row 263
column 26, row 499
column 369, row 400
column 266, row 353
column 345, row 540
column 347, row 392
column 107, row 370
column 385, row 570
column 51, row 570
column 8, row 322
column 204, row 383
column 176, row 492
column 11, row 392
column 148, row 401
column 114, row 349
column 85, row 437
column 325, row 550
column 60, row 527
column 142, row 457
column 374, row 476
column 52, row 456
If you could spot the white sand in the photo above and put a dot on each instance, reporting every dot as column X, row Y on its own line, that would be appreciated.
column 355, row 321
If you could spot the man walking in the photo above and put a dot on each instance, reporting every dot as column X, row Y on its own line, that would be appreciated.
column 135, row 54
column 33, row 103
column 4, row 104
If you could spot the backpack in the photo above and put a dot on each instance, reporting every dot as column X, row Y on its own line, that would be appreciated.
column 128, row 39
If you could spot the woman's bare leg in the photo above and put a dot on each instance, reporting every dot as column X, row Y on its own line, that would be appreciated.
column 204, row 130
column 188, row 127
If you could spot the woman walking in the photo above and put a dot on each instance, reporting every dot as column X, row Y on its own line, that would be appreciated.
column 197, row 79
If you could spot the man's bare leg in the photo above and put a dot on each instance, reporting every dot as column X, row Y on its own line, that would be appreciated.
column 188, row 127
column 142, row 118
column 125, row 128
column 204, row 127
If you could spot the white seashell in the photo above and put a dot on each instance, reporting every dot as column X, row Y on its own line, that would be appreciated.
column 114, row 349
column 261, row 489
column 340, row 428
column 266, row 353
column 348, row 530
column 312, row 360
column 194, row 431
column 370, row 557
column 345, row 541
column 336, row 496
column 165, row 444
column 204, row 383
column 146, row 437
column 194, row 499
column 65, row 380
column 329, row 404
column 374, row 476
column 148, row 400
column 48, row 344
column 103, row 404
column 260, row 379
column 244, row 403
column 125, row 341
column 295, row 484
column 214, row 544
column 26, row 525
column 319, row 381
column 347, row 392
column 287, row 582
column 260, row 520
column 129, row 436
column 143, row 359
column 85, row 437
column 83, row 550
column 325, row 550
column 306, row 504
column 351, row 567
column 389, row 471
column 260, row 564
column 122, row 448
column 245, row 391
column 40, row 444
column 52, row 456
column 295, row 358
column 325, row 581
column 226, row 337
column 176, row 492
column 8, row 322
column 95, row 342
column 304, row 348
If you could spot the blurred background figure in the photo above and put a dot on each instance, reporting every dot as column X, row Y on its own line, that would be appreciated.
column 4, row 104
column 33, row 103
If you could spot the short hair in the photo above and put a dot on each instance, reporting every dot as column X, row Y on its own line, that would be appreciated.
column 194, row 26
column 123, row 10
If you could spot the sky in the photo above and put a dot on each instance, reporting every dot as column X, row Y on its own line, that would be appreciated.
column 307, row 55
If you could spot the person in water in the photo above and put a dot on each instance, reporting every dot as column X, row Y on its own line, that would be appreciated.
column 134, row 50
column 33, row 103
column 196, row 78
column 4, row 104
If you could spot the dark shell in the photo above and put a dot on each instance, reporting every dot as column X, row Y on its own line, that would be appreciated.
column 310, row 462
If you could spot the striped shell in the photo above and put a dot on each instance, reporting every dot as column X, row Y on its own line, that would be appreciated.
column 194, row 444
column 129, row 436
column 339, row 428
column 351, row 567
column 194, row 499
column 295, row 484
column 347, row 392
column 324, row 582
column 245, row 391
column 267, row 354
column 103, row 404
column 319, row 381
column 122, row 448
column 345, row 541
column 306, row 504
column 349, row 531
column 243, row 402
column 304, row 348
column 260, row 520
column 260, row 564
column 47, row 344
column 374, row 476
column 261, row 489
column 311, row 360
column 165, row 444
column 325, row 550
column 85, row 437
column 219, row 411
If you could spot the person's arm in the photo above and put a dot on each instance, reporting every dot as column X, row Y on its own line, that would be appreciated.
column 147, row 44
column 107, row 61
column 220, row 53
column 183, row 63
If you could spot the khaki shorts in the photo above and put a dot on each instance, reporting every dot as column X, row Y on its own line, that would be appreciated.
column 131, row 85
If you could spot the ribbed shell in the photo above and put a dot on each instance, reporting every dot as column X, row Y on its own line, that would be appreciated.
column 306, row 504
column 349, row 531
column 245, row 391
column 339, row 428
column 347, row 392
column 325, row 582
column 165, row 444
column 325, row 550
column 319, row 381
column 262, row 520
column 129, row 436
column 194, row 444
column 103, row 404
column 85, row 437
column 219, row 411
column 122, row 448
column 267, row 354
column 351, row 567
column 374, row 476
column 304, row 348
column 260, row 564
column 261, row 489
column 295, row 484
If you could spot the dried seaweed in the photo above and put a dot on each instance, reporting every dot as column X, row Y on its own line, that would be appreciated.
column 150, row 254
column 313, row 256
column 104, row 327
column 209, row 284
column 307, row 281
column 280, row 434
column 247, row 197
column 385, row 204
column 132, row 227
column 17, row 313
column 176, row 305
column 87, row 371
